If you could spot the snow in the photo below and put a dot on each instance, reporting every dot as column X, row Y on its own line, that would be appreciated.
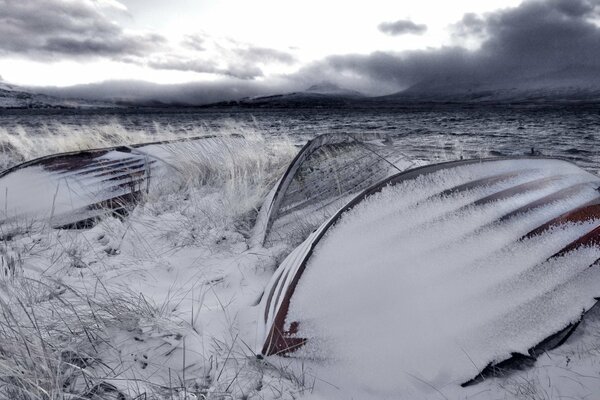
column 170, row 293
column 405, row 294
column 167, row 292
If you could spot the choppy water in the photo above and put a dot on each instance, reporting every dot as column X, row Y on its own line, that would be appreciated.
column 430, row 134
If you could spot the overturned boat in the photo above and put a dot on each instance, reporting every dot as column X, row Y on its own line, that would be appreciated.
column 441, row 273
column 76, row 189
column 326, row 173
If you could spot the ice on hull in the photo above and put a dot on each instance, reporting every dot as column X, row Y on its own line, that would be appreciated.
column 442, row 271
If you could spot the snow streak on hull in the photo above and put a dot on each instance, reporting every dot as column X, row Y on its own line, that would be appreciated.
column 74, row 190
column 458, row 265
column 325, row 174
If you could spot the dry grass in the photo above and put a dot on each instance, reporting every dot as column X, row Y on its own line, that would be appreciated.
column 92, row 341
column 51, row 334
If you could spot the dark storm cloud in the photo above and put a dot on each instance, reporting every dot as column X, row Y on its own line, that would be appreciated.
column 107, row 47
column 555, row 38
column 544, row 43
column 54, row 28
column 544, row 35
column 576, row 8
column 401, row 27
column 471, row 24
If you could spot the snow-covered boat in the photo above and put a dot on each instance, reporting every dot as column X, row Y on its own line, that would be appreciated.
column 326, row 173
column 445, row 270
column 74, row 190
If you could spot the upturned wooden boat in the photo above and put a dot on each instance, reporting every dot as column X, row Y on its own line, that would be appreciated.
column 501, row 256
column 76, row 189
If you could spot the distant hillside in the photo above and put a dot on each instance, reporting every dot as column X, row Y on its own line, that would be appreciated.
column 12, row 96
column 320, row 95
column 572, row 85
column 569, row 85
column 331, row 89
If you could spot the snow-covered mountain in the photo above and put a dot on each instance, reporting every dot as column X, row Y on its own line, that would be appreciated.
column 572, row 85
column 331, row 89
column 324, row 94
column 575, row 84
column 13, row 96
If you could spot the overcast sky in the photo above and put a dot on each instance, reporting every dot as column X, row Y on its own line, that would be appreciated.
column 377, row 46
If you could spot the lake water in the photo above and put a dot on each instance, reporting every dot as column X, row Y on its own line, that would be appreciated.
column 429, row 133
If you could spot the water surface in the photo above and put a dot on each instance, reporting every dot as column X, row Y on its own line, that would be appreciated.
column 430, row 133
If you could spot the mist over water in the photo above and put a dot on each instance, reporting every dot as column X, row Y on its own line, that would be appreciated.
column 430, row 134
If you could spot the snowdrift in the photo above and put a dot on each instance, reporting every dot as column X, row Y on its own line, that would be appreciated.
column 440, row 273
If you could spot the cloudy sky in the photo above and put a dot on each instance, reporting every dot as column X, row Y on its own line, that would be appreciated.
column 376, row 46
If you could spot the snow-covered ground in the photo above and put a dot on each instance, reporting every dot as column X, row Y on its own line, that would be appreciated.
column 162, row 304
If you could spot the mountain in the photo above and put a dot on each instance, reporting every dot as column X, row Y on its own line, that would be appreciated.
column 331, row 89
column 320, row 95
column 571, row 85
column 12, row 96
column 575, row 84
